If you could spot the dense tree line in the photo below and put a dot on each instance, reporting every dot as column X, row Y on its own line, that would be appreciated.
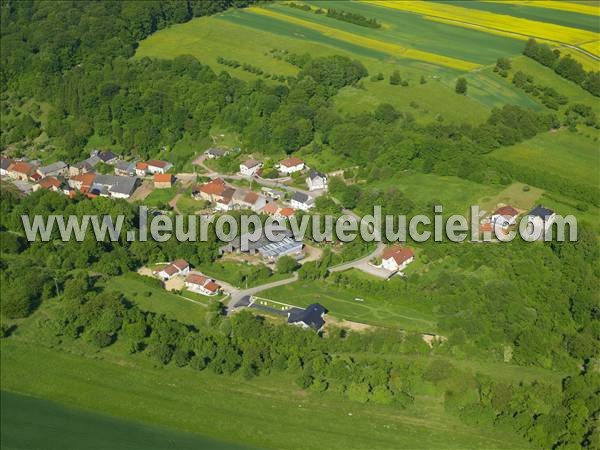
column 549, row 97
column 565, row 66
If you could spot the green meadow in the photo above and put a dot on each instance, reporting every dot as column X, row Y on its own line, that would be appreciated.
column 187, row 401
column 34, row 423
column 567, row 154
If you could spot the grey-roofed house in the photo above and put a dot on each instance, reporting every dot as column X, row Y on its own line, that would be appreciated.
column 311, row 317
column 107, row 157
column 124, row 167
column 4, row 163
column 302, row 201
column 316, row 180
column 214, row 152
column 114, row 186
column 87, row 165
column 54, row 169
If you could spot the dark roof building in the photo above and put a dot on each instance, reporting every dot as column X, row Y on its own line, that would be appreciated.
column 541, row 212
column 311, row 317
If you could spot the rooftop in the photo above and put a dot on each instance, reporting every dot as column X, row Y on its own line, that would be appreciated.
column 291, row 162
column 398, row 253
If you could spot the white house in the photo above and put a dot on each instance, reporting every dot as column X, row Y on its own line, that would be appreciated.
column 316, row 180
column 213, row 153
column 250, row 167
column 504, row 217
column 197, row 282
column 396, row 258
column 291, row 165
column 301, row 201
column 177, row 267
column 540, row 218
column 157, row 166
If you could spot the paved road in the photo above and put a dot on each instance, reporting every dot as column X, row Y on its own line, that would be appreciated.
column 237, row 294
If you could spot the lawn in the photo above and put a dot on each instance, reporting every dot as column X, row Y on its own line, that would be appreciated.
column 569, row 155
column 229, row 408
column 359, row 305
column 157, row 300
column 160, row 197
column 456, row 195
column 234, row 273
column 519, row 195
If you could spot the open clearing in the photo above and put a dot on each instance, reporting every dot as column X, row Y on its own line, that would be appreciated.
column 564, row 153
column 201, row 402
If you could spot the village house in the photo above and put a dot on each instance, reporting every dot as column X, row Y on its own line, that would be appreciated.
column 106, row 157
column 4, row 164
column 270, row 209
column 53, row 170
column 312, row 317
column 113, row 186
column 250, row 167
column 48, row 183
column 540, row 218
column 396, row 258
column 177, row 267
column 141, row 169
column 272, row 193
column 82, row 182
column 226, row 203
column 316, row 180
column 196, row 282
column 163, row 180
column 291, row 165
column 252, row 200
column 84, row 166
column 20, row 170
column 285, row 213
column 213, row 153
column 124, row 168
column 301, row 201
column 211, row 191
column 157, row 166
column 504, row 217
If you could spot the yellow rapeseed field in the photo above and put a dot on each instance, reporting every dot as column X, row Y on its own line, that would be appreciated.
column 492, row 21
column 373, row 44
column 592, row 47
column 590, row 9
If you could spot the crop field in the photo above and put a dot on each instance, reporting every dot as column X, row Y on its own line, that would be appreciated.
column 498, row 23
column 408, row 43
column 570, row 155
column 200, row 402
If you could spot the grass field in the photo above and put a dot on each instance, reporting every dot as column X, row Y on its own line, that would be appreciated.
column 455, row 194
column 34, row 423
column 230, row 272
column 516, row 195
column 160, row 197
column 232, row 409
column 570, row 155
column 279, row 26
column 159, row 301
column 374, row 309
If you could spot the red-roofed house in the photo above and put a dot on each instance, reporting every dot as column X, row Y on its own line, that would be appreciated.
column 141, row 169
column 177, row 267
column 20, row 170
column 291, row 165
column 504, row 217
column 253, row 201
column 163, row 180
column 286, row 212
column 270, row 209
column 48, row 183
column 197, row 282
column 82, row 182
column 396, row 258
column 157, row 166
column 211, row 191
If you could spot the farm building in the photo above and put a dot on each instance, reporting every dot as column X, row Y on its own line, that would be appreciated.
column 197, row 282
column 213, row 153
column 271, row 251
column 177, row 267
